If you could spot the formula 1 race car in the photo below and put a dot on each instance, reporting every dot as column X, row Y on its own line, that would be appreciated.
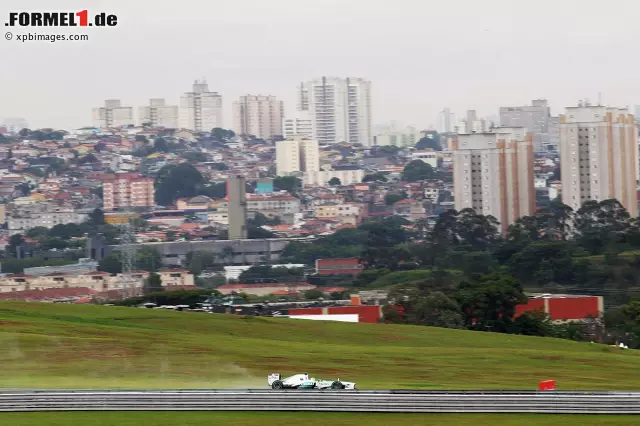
column 303, row 381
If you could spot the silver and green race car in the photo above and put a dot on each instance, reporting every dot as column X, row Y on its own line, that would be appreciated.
column 303, row 381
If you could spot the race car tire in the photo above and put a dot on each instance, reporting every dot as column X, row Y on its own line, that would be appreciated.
column 337, row 385
column 277, row 385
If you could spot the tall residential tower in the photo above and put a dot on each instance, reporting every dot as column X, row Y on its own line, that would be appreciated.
column 297, row 155
column 201, row 110
column 598, row 156
column 158, row 114
column 339, row 108
column 534, row 118
column 112, row 114
column 260, row 116
column 493, row 174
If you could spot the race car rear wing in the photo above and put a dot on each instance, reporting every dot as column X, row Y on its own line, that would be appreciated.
column 272, row 378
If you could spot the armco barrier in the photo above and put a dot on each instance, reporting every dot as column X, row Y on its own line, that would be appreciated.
column 314, row 400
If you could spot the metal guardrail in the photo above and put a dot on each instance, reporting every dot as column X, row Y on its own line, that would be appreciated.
column 320, row 400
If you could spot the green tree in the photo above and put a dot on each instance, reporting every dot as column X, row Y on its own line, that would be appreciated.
column 478, row 231
column 382, row 238
column 426, row 302
column 429, row 142
column 544, row 260
column 375, row 177
column 152, row 284
column 291, row 184
column 220, row 166
column 343, row 243
column 417, row 170
column 88, row 159
column 148, row 259
column 334, row 181
column 111, row 263
column 488, row 302
column 624, row 323
column 261, row 220
column 201, row 260
column 259, row 273
column 555, row 221
column 177, row 181
column 38, row 231
column 161, row 145
column 222, row 135
column 15, row 241
column 258, row 233
column 313, row 294
column 227, row 255
column 194, row 156
column 392, row 198
column 536, row 323
column 601, row 225
column 96, row 217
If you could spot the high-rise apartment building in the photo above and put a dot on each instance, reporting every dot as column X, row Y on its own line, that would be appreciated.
column 298, row 124
column 534, row 118
column 158, row 114
column 493, row 174
column 200, row 109
column 472, row 124
column 340, row 109
column 598, row 156
column 127, row 190
column 113, row 114
column 297, row 155
column 260, row 116
column 446, row 121
column 237, row 208
column 553, row 141
column 401, row 138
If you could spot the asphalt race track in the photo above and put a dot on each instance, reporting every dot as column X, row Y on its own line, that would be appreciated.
column 393, row 401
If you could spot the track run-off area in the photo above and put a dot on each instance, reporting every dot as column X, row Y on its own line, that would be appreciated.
column 378, row 401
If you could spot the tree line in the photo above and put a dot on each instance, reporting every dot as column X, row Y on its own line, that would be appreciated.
column 556, row 250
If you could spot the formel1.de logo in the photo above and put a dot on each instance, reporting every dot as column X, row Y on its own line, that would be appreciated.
column 61, row 19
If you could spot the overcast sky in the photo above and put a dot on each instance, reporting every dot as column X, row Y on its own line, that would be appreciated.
column 421, row 55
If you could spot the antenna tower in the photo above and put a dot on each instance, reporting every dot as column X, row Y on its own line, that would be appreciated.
column 128, row 256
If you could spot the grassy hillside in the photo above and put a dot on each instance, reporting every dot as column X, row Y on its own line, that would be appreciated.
column 67, row 346
column 295, row 419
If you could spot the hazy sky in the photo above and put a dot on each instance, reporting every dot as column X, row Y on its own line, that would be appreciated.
column 420, row 55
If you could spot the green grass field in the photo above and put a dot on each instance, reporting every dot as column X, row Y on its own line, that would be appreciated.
column 69, row 346
column 295, row 419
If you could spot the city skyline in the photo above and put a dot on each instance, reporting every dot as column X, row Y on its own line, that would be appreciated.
column 256, row 56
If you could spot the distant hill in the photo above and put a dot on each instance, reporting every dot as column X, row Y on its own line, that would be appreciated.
column 72, row 346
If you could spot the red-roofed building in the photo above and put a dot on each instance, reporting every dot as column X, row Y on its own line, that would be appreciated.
column 564, row 307
column 127, row 190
